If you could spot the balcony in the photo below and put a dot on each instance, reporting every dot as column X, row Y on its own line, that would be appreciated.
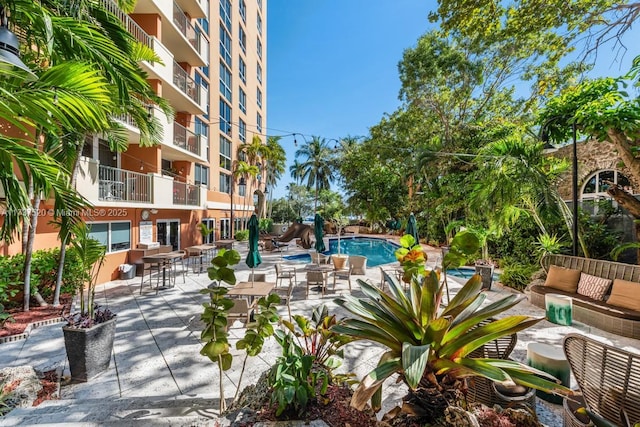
column 195, row 8
column 108, row 186
column 178, row 34
column 186, row 194
column 186, row 139
column 124, row 186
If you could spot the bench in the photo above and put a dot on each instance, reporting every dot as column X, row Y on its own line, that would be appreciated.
column 596, row 313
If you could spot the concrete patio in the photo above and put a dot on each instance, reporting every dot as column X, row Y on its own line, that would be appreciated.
column 158, row 377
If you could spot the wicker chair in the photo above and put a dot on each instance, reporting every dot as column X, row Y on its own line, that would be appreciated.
column 609, row 379
column 487, row 392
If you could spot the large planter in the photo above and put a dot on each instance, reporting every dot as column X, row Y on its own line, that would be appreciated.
column 89, row 350
column 339, row 261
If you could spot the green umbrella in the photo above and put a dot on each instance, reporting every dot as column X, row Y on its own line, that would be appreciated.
column 253, row 257
column 318, row 231
column 412, row 227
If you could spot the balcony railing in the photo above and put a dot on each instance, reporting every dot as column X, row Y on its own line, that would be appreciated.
column 185, row 83
column 129, row 23
column 186, row 139
column 126, row 119
column 123, row 185
column 185, row 27
column 186, row 194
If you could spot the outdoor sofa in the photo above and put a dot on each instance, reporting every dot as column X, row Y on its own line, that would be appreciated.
column 605, row 294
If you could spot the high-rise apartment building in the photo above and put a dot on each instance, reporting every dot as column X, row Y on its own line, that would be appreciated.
column 213, row 73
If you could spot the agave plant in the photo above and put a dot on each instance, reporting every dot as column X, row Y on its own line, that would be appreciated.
column 429, row 346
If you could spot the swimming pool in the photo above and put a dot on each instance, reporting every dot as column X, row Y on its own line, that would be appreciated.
column 467, row 272
column 377, row 251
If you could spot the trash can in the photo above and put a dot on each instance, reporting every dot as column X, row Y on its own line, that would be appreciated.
column 127, row 271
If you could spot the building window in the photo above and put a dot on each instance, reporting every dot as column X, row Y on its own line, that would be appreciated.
column 115, row 236
column 243, row 10
column 225, row 153
column 242, row 68
column 210, row 223
column 225, row 117
column 242, row 130
column 242, row 191
column 225, row 183
column 201, row 175
column 225, row 81
column 259, row 72
column 204, row 23
column 259, row 4
column 259, row 97
column 225, row 45
column 259, row 47
column 259, row 122
column 242, row 38
column 259, row 24
column 242, row 96
column 225, row 12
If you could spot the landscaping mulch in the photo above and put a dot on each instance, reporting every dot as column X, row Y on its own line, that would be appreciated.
column 36, row 314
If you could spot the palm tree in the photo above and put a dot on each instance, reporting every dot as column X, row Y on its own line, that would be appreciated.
column 317, row 165
column 275, row 165
column 243, row 169
column 518, row 179
column 87, row 66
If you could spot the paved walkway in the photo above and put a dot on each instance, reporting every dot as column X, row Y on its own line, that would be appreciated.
column 156, row 351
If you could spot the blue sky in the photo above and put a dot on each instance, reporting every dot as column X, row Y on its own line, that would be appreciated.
column 332, row 65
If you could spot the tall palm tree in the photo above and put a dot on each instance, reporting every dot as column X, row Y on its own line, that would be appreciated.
column 243, row 169
column 80, row 46
column 316, row 167
column 276, row 159
column 295, row 171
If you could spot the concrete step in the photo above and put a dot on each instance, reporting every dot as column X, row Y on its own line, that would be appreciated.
column 174, row 411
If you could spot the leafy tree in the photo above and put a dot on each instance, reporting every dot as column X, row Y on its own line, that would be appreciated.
column 275, row 166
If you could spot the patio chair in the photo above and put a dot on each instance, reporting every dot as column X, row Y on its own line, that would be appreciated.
column 150, row 264
column 489, row 393
column 344, row 274
column 283, row 273
column 320, row 258
column 285, row 295
column 359, row 264
column 609, row 379
column 242, row 310
column 316, row 278
column 174, row 266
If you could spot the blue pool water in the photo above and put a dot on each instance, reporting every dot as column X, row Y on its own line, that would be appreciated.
column 377, row 251
column 467, row 272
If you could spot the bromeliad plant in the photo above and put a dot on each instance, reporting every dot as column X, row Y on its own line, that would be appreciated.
column 428, row 346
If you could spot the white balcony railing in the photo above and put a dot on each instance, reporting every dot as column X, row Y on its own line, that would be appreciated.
column 186, row 139
column 185, row 27
column 122, row 185
column 185, row 83
column 186, row 194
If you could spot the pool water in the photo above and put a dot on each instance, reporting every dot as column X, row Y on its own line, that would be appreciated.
column 467, row 272
column 377, row 251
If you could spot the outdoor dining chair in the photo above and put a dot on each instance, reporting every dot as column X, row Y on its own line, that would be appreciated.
column 359, row 264
column 242, row 310
column 283, row 273
column 344, row 274
column 316, row 278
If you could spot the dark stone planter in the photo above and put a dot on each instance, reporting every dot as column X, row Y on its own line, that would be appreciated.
column 486, row 273
column 89, row 350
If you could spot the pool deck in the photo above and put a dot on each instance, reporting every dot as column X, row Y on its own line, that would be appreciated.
column 156, row 351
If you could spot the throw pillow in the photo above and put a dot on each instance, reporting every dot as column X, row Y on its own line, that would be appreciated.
column 625, row 294
column 564, row 279
column 593, row 286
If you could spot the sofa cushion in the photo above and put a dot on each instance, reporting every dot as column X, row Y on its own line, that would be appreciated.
column 593, row 286
column 564, row 279
column 625, row 294
column 592, row 307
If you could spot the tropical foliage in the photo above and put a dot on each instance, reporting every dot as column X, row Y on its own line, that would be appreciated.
column 428, row 346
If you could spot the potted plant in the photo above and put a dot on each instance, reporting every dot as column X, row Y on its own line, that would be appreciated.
column 338, row 259
column 205, row 231
column 89, row 333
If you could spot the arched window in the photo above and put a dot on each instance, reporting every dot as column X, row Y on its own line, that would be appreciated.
column 595, row 188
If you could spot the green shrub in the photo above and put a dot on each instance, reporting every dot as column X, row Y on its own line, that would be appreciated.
column 517, row 275
column 266, row 224
column 242, row 235
column 5, row 316
column 44, row 270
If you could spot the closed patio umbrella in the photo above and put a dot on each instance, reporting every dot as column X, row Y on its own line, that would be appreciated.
column 412, row 227
column 253, row 257
column 318, row 231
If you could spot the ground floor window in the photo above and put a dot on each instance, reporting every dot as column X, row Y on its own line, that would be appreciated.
column 224, row 228
column 210, row 223
column 169, row 233
column 115, row 236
